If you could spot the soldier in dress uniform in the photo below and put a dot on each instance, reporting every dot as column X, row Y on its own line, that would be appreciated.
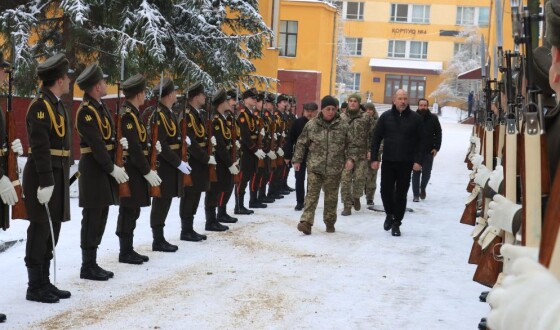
column 199, row 161
column 137, row 167
column 281, row 129
column 45, row 176
column 97, row 182
column 262, row 176
column 248, row 125
column 171, row 167
column 269, row 113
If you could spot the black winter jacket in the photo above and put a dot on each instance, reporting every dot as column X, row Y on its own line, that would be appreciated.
column 431, row 131
column 293, row 134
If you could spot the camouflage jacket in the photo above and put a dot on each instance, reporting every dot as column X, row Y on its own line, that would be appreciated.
column 326, row 145
column 360, row 127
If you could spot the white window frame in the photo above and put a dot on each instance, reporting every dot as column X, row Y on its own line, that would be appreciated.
column 409, row 13
column 460, row 19
column 359, row 14
column 407, row 55
column 286, row 37
column 354, row 46
column 354, row 85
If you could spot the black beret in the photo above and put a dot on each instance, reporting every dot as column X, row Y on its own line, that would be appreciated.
column 329, row 100
column 3, row 63
column 91, row 75
column 310, row 106
column 552, row 11
column 251, row 92
column 168, row 87
column 231, row 94
column 282, row 97
column 344, row 105
column 541, row 63
column 134, row 85
column 54, row 67
column 260, row 96
column 270, row 97
column 194, row 89
column 219, row 98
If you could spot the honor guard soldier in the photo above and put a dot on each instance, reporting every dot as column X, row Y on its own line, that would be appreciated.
column 45, row 176
column 248, row 126
column 171, row 167
column 269, row 113
column 226, row 167
column 199, row 160
column 96, row 183
column 281, row 129
column 137, row 167
column 262, row 175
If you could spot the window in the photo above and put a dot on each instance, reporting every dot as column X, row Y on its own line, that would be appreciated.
column 479, row 16
column 354, row 46
column 354, row 10
column 288, row 38
column 354, row 84
column 410, row 13
column 408, row 49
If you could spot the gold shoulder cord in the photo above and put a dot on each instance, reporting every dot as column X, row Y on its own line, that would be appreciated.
column 226, row 132
column 104, row 128
column 198, row 131
column 60, row 129
column 141, row 129
column 249, row 121
column 171, row 129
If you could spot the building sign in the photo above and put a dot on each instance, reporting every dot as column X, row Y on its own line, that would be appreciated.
column 408, row 31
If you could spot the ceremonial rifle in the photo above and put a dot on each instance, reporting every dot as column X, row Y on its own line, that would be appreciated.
column 234, row 137
column 212, row 175
column 155, row 191
column 260, row 163
column 124, row 188
column 187, row 178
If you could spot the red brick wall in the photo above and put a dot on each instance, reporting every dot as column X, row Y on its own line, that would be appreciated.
column 305, row 86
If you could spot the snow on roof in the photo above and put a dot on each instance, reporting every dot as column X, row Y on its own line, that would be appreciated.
column 406, row 64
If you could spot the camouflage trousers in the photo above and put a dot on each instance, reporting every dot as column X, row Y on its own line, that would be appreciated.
column 371, row 183
column 353, row 182
column 329, row 184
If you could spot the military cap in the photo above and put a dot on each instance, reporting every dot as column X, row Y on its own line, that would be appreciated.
column 260, row 96
column 541, row 63
column 355, row 96
column 194, row 89
column 3, row 63
column 552, row 11
column 251, row 92
column 344, row 105
column 91, row 75
column 282, row 97
column 54, row 67
column 270, row 97
column 133, row 85
column 370, row 105
column 312, row 106
column 220, row 97
column 168, row 87
column 329, row 100
column 231, row 94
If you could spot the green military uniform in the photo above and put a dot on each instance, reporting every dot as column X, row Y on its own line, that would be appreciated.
column 371, row 174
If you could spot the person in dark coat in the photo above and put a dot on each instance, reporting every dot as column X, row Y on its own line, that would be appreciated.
column 137, row 167
column 401, row 131
column 431, row 137
column 97, row 182
column 171, row 167
column 309, row 112
column 45, row 176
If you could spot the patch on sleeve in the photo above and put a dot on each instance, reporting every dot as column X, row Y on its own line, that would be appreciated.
column 40, row 115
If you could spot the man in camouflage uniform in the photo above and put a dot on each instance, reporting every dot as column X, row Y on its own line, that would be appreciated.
column 371, row 174
column 354, row 180
column 325, row 139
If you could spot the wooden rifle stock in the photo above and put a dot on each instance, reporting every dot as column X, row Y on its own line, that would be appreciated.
column 551, row 225
column 236, row 177
column 469, row 214
column 470, row 186
column 212, row 176
column 155, row 191
column 488, row 266
column 260, row 163
column 280, row 143
column 476, row 252
column 273, row 145
column 124, row 189
column 187, row 179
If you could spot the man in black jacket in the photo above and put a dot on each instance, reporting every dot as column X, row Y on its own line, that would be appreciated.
column 431, row 136
column 309, row 111
column 401, row 131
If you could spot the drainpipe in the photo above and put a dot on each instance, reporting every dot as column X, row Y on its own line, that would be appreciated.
column 333, row 63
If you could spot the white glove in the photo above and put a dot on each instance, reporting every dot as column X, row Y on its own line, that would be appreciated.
column 124, row 142
column 260, row 154
column 479, row 227
column 271, row 155
column 501, row 212
column 185, row 168
column 280, row 152
column 233, row 169
column 212, row 161
column 488, row 236
column 482, row 176
column 158, row 146
column 528, row 299
column 513, row 252
column 119, row 174
column 17, row 147
column 263, row 133
column 496, row 178
column 44, row 194
column 237, row 144
column 7, row 191
column 477, row 160
column 188, row 140
column 213, row 141
column 284, row 134
column 276, row 136
column 153, row 178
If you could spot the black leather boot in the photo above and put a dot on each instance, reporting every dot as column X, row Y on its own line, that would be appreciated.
column 159, row 243
column 239, row 207
column 254, row 202
column 61, row 294
column 2, row 318
column 187, row 231
column 396, row 228
column 212, row 223
column 388, row 222
column 36, row 290
column 224, row 217
column 126, row 254
column 262, row 196
column 90, row 270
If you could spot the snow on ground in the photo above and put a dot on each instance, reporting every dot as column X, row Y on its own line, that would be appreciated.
column 264, row 274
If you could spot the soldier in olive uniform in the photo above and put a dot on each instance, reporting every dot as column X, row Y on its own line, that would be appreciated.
column 96, row 183
column 248, row 126
column 137, row 167
column 171, row 167
column 45, row 176
column 371, row 174
column 325, row 139
column 199, row 160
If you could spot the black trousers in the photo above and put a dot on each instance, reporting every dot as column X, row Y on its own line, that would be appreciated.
column 39, row 246
column 395, row 181
column 160, row 209
column 94, row 220
column 425, row 173
column 300, row 183
column 278, row 178
column 246, row 177
column 225, row 195
column 189, row 203
column 126, row 222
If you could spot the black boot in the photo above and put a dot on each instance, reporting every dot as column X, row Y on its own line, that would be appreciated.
column 36, row 290
column 187, row 231
column 159, row 243
column 254, row 202
column 262, row 196
column 61, row 294
column 126, row 254
column 299, row 207
column 239, row 207
column 483, row 296
column 90, row 270
column 212, row 223
column 388, row 222
column 2, row 318
column 141, row 256
column 224, row 217
column 396, row 228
